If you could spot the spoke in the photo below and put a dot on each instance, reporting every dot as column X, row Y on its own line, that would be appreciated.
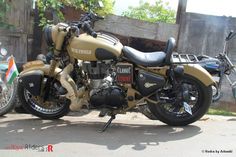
column 44, row 107
column 174, row 107
column 6, row 95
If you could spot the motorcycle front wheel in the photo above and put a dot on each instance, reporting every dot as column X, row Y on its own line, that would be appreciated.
column 53, row 108
column 7, row 97
column 174, row 114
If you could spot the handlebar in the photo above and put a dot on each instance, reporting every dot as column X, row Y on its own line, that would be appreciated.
column 84, row 23
column 230, row 35
column 91, row 17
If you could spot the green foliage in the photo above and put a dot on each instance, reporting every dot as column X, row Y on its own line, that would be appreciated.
column 222, row 112
column 56, row 5
column 108, row 7
column 4, row 7
column 52, row 5
column 158, row 12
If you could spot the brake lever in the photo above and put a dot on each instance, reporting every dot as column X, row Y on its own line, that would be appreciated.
column 100, row 17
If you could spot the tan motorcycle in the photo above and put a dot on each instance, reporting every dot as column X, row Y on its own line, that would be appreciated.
column 94, row 70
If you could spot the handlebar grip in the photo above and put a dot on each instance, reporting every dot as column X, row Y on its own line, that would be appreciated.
column 94, row 34
column 230, row 34
column 100, row 17
column 89, row 30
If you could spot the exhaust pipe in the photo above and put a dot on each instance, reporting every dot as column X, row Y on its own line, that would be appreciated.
column 68, row 83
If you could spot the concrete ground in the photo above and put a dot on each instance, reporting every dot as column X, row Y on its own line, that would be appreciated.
column 129, row 135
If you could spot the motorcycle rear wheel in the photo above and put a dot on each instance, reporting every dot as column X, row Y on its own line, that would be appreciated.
column 167, row 114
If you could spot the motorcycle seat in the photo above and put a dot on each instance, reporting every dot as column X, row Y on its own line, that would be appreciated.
column 148, row 59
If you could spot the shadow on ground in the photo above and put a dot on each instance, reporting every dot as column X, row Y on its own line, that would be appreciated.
column 37, row 131
column 232, row 119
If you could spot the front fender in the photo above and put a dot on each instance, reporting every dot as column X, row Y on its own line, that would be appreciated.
column 38, row 65
column 62, row 76
column 32, row 76
column 200, row 73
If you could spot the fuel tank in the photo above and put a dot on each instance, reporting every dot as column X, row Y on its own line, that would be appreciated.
column 212, row 65
column 88, row 48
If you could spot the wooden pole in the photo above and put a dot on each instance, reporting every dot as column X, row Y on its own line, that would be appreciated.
column 181, row 9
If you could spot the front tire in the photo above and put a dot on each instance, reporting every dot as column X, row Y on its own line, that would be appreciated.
column 169, row 115
column 34, row 105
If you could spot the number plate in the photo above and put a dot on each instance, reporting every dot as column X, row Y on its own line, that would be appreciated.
column 187, row 108
column 124, row 73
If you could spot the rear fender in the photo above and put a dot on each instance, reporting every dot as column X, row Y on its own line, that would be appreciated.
column 200, row 73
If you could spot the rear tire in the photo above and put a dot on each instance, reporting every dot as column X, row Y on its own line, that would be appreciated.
column 37, row 109
column 199, row 109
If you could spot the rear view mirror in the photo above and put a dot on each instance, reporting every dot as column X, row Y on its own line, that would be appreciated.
column 3, row 51
column 91, row 6
column 100, row 4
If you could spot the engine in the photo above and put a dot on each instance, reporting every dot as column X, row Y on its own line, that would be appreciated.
column 103, row 91
column 110, row 97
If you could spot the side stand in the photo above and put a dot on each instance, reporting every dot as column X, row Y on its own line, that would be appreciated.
column 108, row 123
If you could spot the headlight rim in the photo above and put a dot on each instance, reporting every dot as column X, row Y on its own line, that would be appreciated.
column 48, row 35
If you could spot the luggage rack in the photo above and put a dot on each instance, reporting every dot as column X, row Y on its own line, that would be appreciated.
column 177, row 58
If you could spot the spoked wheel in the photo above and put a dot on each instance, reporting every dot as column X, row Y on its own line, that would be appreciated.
column 170, row 108
column 53, row 108
column 7, row 97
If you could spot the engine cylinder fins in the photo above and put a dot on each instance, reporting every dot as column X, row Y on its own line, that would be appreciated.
column 95, row 70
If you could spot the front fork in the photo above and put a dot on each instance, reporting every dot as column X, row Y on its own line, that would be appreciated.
column 48, row 84
column 233, row 86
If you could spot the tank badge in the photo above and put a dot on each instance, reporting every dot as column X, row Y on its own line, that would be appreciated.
column 84, row 52
column 148, row 85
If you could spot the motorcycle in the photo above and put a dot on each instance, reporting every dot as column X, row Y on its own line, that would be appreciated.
column 7, row 83
column 94, row 70
column 220, row 67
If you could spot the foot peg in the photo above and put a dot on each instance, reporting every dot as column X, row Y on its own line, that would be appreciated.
column 108, row 123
